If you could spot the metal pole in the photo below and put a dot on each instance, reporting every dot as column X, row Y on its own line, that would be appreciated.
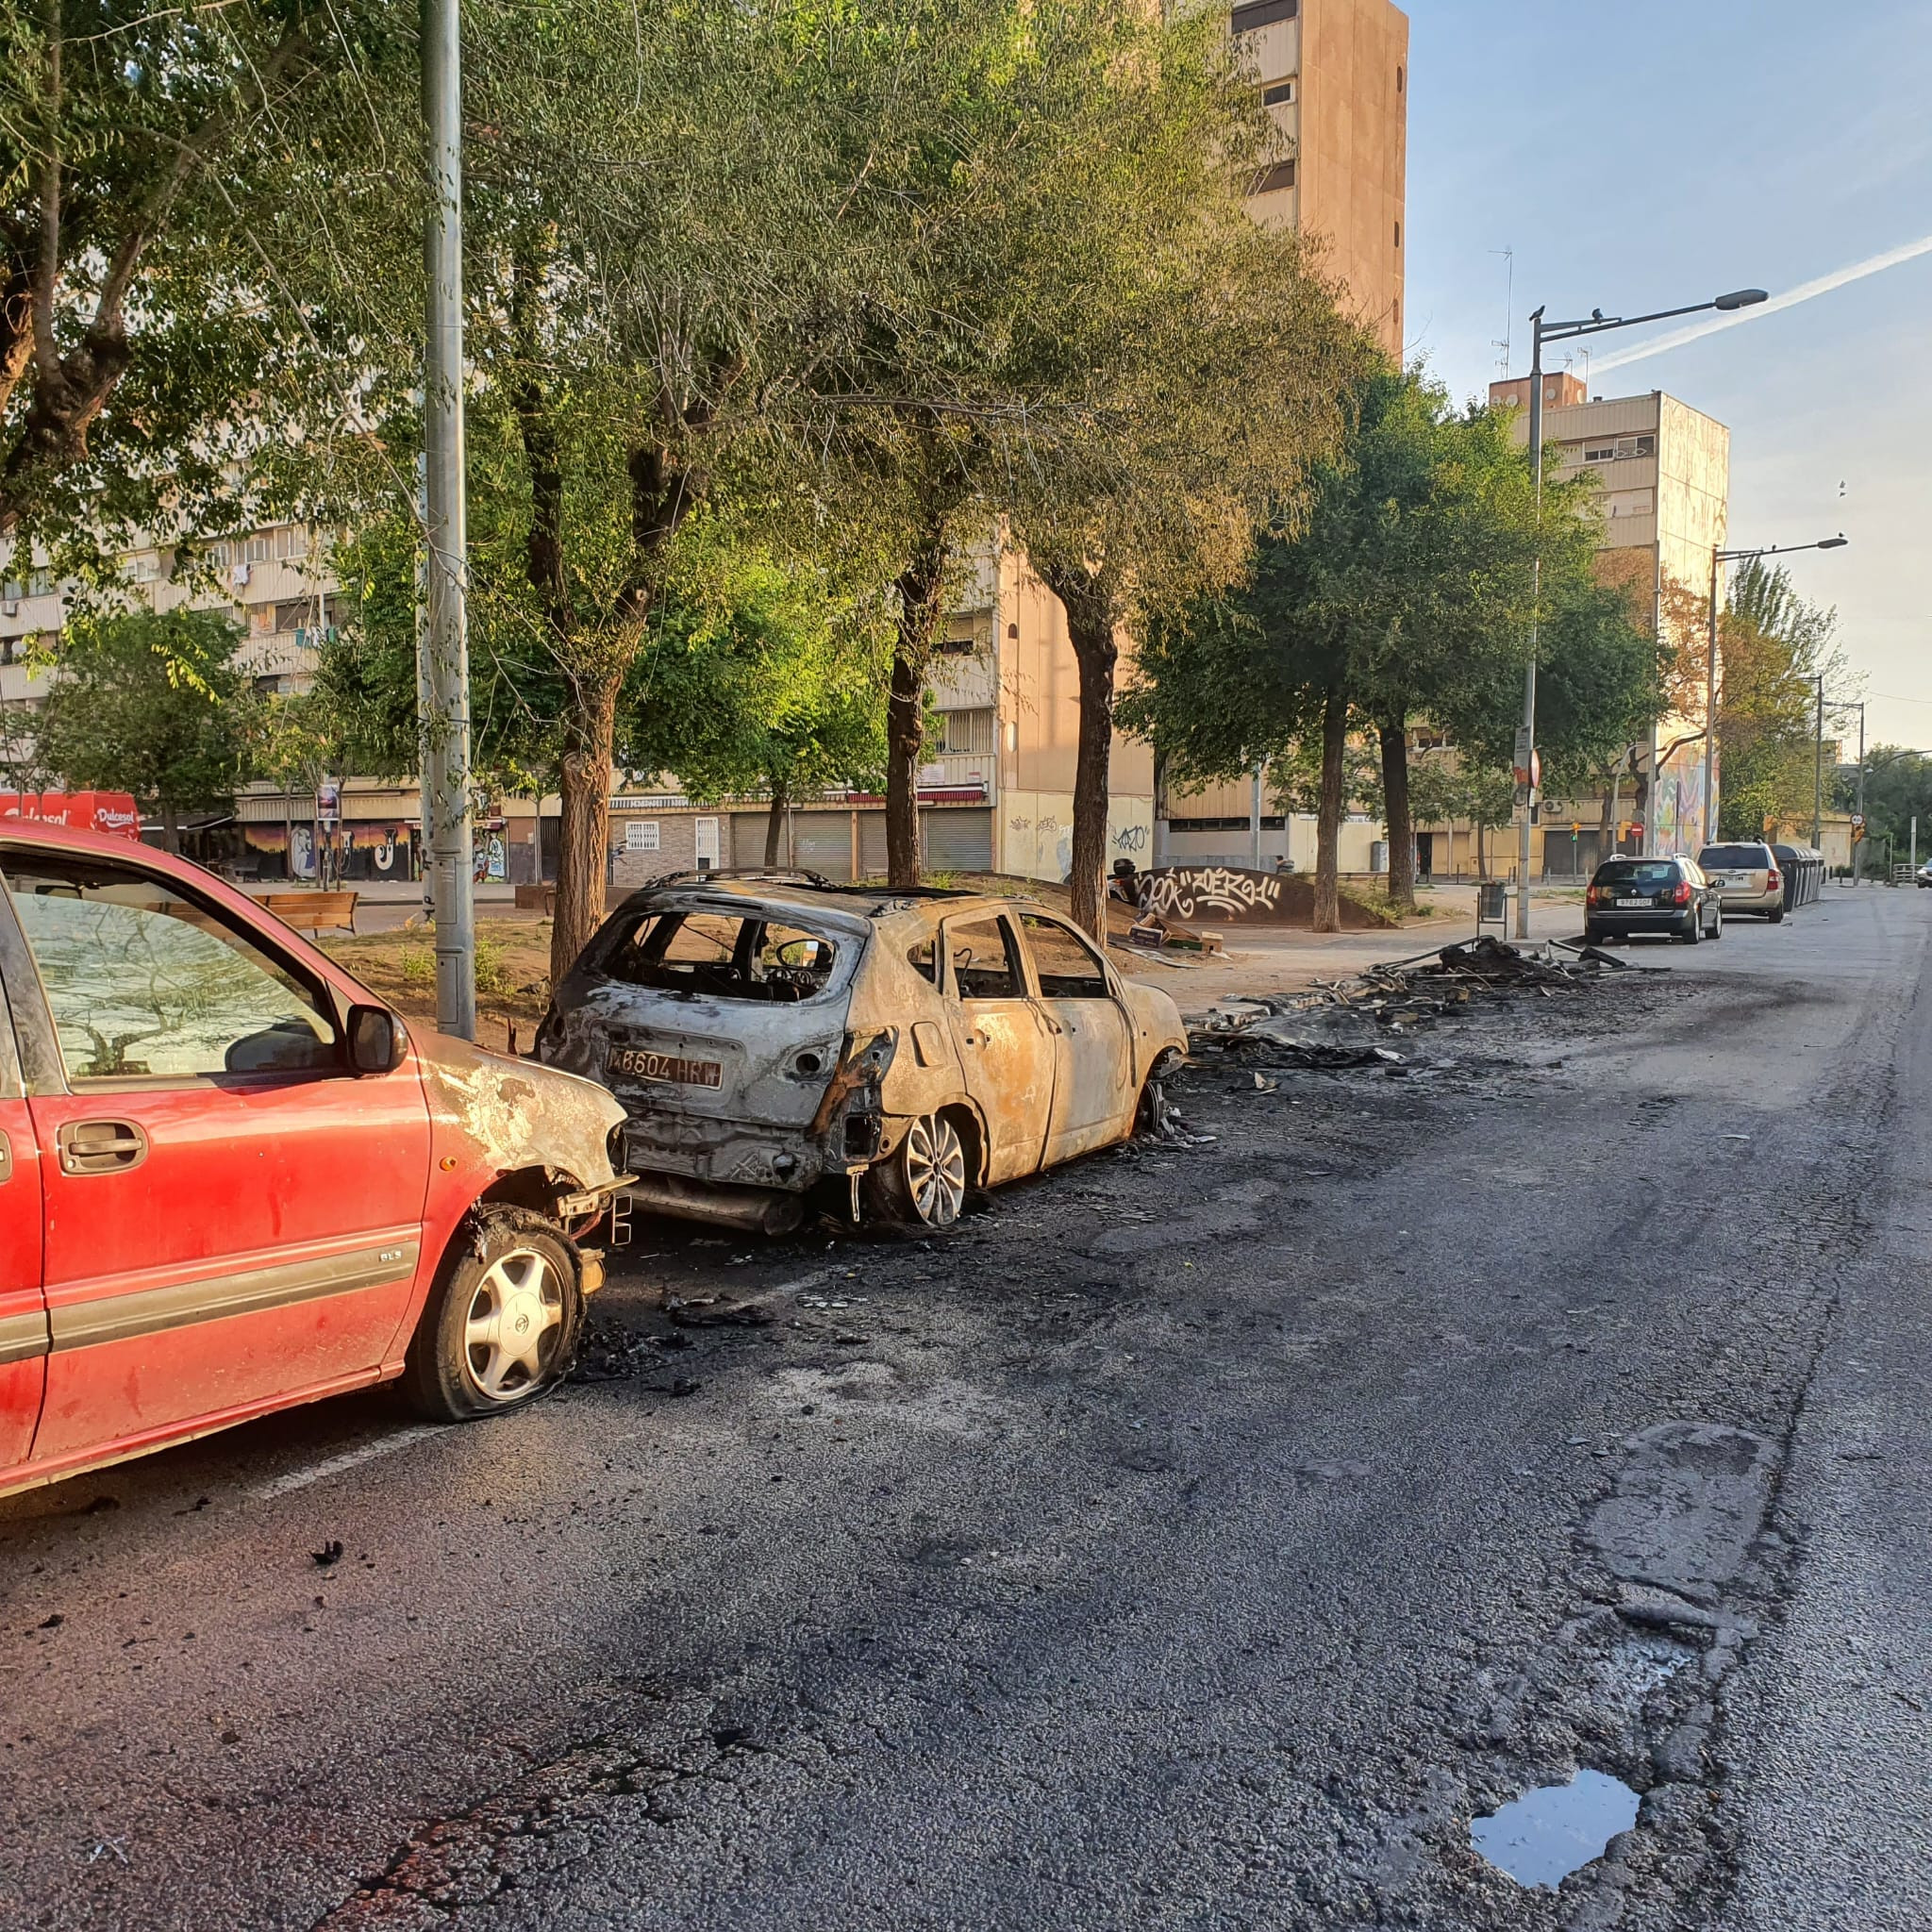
column 1254, row 820
column 1710, row 713
column 1858, row 857
column 1648, row 848
column 1818, row 777
column 447, row 773
column 1913, row 860
column 1528, row 759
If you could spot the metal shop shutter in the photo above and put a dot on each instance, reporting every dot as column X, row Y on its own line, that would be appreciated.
column 748, row 839
column 959, row 837
column 872, row 845
column 822, row 843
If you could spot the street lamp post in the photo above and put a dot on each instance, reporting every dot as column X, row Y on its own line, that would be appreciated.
column 444, row 681
column 1718, row 558
column 1597, row 322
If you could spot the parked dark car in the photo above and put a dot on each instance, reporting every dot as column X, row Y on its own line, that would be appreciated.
column 1668, row 896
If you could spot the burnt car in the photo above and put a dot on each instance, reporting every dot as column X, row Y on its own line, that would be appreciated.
column 232, row 1180
column 773, row 1035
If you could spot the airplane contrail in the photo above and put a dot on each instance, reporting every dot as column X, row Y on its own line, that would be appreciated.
column 1790, row 298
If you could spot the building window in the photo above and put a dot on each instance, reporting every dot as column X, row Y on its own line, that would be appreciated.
column 640, row 835
column 1280, row 96
column 260, row 549
column 1400, row 79
column 1260, row 13
column 966, row 732
column 1280, row 175
column 1398, row 234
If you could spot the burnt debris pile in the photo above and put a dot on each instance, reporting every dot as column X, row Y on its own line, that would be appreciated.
column 1340, row 1024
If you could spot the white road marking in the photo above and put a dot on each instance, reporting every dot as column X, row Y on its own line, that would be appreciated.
column 333, row 1465
column 803, row 1282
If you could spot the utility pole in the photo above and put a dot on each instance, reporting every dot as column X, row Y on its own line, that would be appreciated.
column 1254, row 820
column 1857, row 857
column 445, row 537
column 1525, row 738
column 1818, row 775
column 1596, row 323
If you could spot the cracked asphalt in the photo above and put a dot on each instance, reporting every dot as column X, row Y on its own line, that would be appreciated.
column 1200, row 1537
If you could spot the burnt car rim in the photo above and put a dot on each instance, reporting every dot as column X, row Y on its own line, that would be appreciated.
column 513, row 1326
column 935, row 1171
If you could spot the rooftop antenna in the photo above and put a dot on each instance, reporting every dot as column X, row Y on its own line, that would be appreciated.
column 1503, row 341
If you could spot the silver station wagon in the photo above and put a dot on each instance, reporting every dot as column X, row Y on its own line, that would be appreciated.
column 772, row 1034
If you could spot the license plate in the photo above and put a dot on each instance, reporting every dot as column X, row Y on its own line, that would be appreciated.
column 671, row 1069
column 1633, row 904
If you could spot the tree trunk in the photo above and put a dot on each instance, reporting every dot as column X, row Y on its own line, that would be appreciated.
column 775, row 826
column 1482, row 850
column 171, row 830
column 920, row 586
column 583, row 827
column 1329, row 820
column 1399, row 825
column 1097, row 653
column 1607, row 826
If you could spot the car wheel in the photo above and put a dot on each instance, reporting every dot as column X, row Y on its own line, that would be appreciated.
column 501, row 1323
column 1593, row 935
column 1777, row 918
column 1694, row 929
column 924, row 1178
column 1717, row 925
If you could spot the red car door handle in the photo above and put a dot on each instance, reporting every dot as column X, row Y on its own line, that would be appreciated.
column 100, row 1146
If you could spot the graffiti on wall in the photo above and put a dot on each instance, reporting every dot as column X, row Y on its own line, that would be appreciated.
column 1213, row 891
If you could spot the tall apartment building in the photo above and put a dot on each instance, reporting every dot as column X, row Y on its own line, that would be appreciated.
column 1665, row 476
column 1334, row 75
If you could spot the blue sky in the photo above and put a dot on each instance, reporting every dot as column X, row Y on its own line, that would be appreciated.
column 1649, row 155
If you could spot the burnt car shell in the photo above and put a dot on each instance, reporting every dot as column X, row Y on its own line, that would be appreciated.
column 757, row 1068
column 724, row 1078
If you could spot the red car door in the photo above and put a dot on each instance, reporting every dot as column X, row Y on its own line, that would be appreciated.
column 232, row 1218
column 23, row 1308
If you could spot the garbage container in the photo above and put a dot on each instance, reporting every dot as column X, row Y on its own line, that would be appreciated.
column 1491, row 902
column 1803, row 869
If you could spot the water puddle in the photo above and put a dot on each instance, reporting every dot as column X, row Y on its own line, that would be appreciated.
column 1544, row 1836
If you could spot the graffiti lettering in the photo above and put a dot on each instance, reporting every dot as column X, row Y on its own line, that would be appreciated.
column 1130, row 838
column 1195, row 891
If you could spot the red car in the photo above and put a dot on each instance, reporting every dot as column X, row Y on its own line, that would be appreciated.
column 232, row 1180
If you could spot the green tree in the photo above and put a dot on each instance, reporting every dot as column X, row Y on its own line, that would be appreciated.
column 1772, row 647
column 153, row 705
column 177, row 185
column 1403, row 591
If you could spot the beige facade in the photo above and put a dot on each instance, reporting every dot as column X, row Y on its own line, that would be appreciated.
column 1664, row 475
column 1334, row 75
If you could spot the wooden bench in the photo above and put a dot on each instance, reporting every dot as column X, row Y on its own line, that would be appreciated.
column 312, row 912
column 537, row 899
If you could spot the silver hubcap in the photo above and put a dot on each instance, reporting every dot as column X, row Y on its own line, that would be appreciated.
column 935, row 1171
column 510, row 1334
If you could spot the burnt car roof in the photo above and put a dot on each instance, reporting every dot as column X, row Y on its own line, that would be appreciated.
column 811, row 893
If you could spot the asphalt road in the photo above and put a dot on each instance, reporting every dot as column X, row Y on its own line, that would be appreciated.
column 1201, row 1537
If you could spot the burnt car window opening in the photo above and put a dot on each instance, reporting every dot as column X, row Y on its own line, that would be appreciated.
column 923, row 958
column 1650, row 873
column 983, row 963
column 1733, row 858
column 143, row 982
column 1064, row 961
column 723, row 956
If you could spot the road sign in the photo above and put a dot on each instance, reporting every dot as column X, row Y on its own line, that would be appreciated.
column 1857, row 827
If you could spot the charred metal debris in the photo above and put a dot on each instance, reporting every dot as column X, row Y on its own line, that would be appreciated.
column 1333, row 1027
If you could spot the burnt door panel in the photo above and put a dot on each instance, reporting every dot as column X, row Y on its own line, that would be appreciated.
column 1006, row 1048
column 1093, row 1094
